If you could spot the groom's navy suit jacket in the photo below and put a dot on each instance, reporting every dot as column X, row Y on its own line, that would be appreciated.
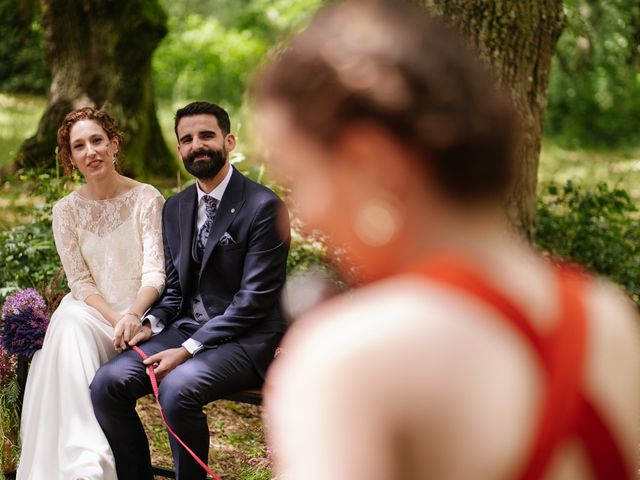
column 240, row 278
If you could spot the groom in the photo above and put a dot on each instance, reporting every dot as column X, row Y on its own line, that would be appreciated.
column 226, row 240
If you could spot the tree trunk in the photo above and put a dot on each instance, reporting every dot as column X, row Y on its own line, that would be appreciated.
column 517, row 39
column 100, row 55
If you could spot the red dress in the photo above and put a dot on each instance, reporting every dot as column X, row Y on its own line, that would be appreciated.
column 566, row 411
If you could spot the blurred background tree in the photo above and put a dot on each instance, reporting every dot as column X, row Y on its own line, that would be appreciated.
column 594, row 94
column 522, row 67
column 100, row 52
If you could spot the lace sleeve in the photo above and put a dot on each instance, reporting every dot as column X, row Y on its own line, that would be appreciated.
column 153, row 274
column 65, row 235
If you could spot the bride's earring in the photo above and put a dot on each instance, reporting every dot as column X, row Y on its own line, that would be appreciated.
column 377, row 223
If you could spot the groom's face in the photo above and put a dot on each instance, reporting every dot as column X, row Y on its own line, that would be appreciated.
column 202, row 145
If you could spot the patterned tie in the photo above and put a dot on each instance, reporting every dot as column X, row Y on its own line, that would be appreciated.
column 210, row 205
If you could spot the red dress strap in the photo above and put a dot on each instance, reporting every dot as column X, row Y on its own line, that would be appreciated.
column 600, row 445
column 565, row 410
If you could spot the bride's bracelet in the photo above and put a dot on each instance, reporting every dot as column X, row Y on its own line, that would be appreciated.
column 134, row 314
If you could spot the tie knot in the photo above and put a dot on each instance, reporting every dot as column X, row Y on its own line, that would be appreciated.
column 210, row 205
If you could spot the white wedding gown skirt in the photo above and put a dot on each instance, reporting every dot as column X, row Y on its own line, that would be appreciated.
column 70, row 445
column 107, row 247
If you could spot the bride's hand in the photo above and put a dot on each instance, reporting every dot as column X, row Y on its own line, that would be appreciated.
column 127, row 327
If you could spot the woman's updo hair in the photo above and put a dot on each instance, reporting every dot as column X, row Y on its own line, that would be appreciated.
column 391, row 64
column 86, row 113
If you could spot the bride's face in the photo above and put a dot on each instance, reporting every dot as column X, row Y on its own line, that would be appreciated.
column 92, row 152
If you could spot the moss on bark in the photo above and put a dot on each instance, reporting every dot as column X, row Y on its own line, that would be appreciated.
column 516, row 38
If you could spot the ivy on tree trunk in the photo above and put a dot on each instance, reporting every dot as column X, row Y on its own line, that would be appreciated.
column 100, row 55
column 516, row 38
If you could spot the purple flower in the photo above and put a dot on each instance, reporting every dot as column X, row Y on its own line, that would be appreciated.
column 23, row 332
column 24, row 323
column 27, row 298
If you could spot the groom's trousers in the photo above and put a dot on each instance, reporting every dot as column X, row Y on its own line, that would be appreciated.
column 209, row 375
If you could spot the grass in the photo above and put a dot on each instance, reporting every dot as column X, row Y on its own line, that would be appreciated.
column 19, row 115
column 616, row 168
column 237, row 448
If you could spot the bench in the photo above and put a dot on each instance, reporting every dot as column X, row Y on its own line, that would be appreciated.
column 252, row 397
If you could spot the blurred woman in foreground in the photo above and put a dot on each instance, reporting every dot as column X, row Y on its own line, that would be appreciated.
column 465, row 355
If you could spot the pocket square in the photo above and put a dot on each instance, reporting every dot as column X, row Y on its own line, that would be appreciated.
column 227, row 239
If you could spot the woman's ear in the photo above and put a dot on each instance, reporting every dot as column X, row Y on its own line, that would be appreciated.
column 116, row 145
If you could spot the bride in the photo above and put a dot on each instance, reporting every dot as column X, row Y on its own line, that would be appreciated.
column 108, row 235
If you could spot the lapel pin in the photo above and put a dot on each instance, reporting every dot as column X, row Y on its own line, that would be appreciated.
column 233, row 210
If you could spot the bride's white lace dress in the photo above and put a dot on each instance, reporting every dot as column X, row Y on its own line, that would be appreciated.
column 113, row 248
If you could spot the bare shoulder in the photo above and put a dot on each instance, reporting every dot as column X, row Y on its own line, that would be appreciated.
column 612, row 310
column 348, row 351
column 381, row 361
column 614, row 329
column 612, row 377
column 614, row 335
column 390, row 310
column 370, row 332
column 355, row 320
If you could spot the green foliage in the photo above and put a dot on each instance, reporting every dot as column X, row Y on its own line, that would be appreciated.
column 9, row 425
column 213, row 47
column 28, row 257
column 594, row 90
column 597, row 228
column 267, row 18
column 22, row 65
column 307, row 251
column 203, row 59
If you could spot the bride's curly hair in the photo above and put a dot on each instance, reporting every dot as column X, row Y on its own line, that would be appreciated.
column 86, row 113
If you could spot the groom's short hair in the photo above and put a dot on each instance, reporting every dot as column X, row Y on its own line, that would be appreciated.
column 204, row 108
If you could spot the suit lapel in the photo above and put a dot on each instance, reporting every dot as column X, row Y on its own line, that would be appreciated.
column 227, row 211
column 187, row 211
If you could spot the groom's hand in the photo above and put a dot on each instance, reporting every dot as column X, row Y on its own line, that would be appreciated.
column 165, row 361
column 143, row 334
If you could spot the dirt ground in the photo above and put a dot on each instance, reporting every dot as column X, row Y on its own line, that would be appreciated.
column 237, row 447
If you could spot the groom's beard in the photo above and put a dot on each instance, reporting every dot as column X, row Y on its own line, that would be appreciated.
column 205, row 167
